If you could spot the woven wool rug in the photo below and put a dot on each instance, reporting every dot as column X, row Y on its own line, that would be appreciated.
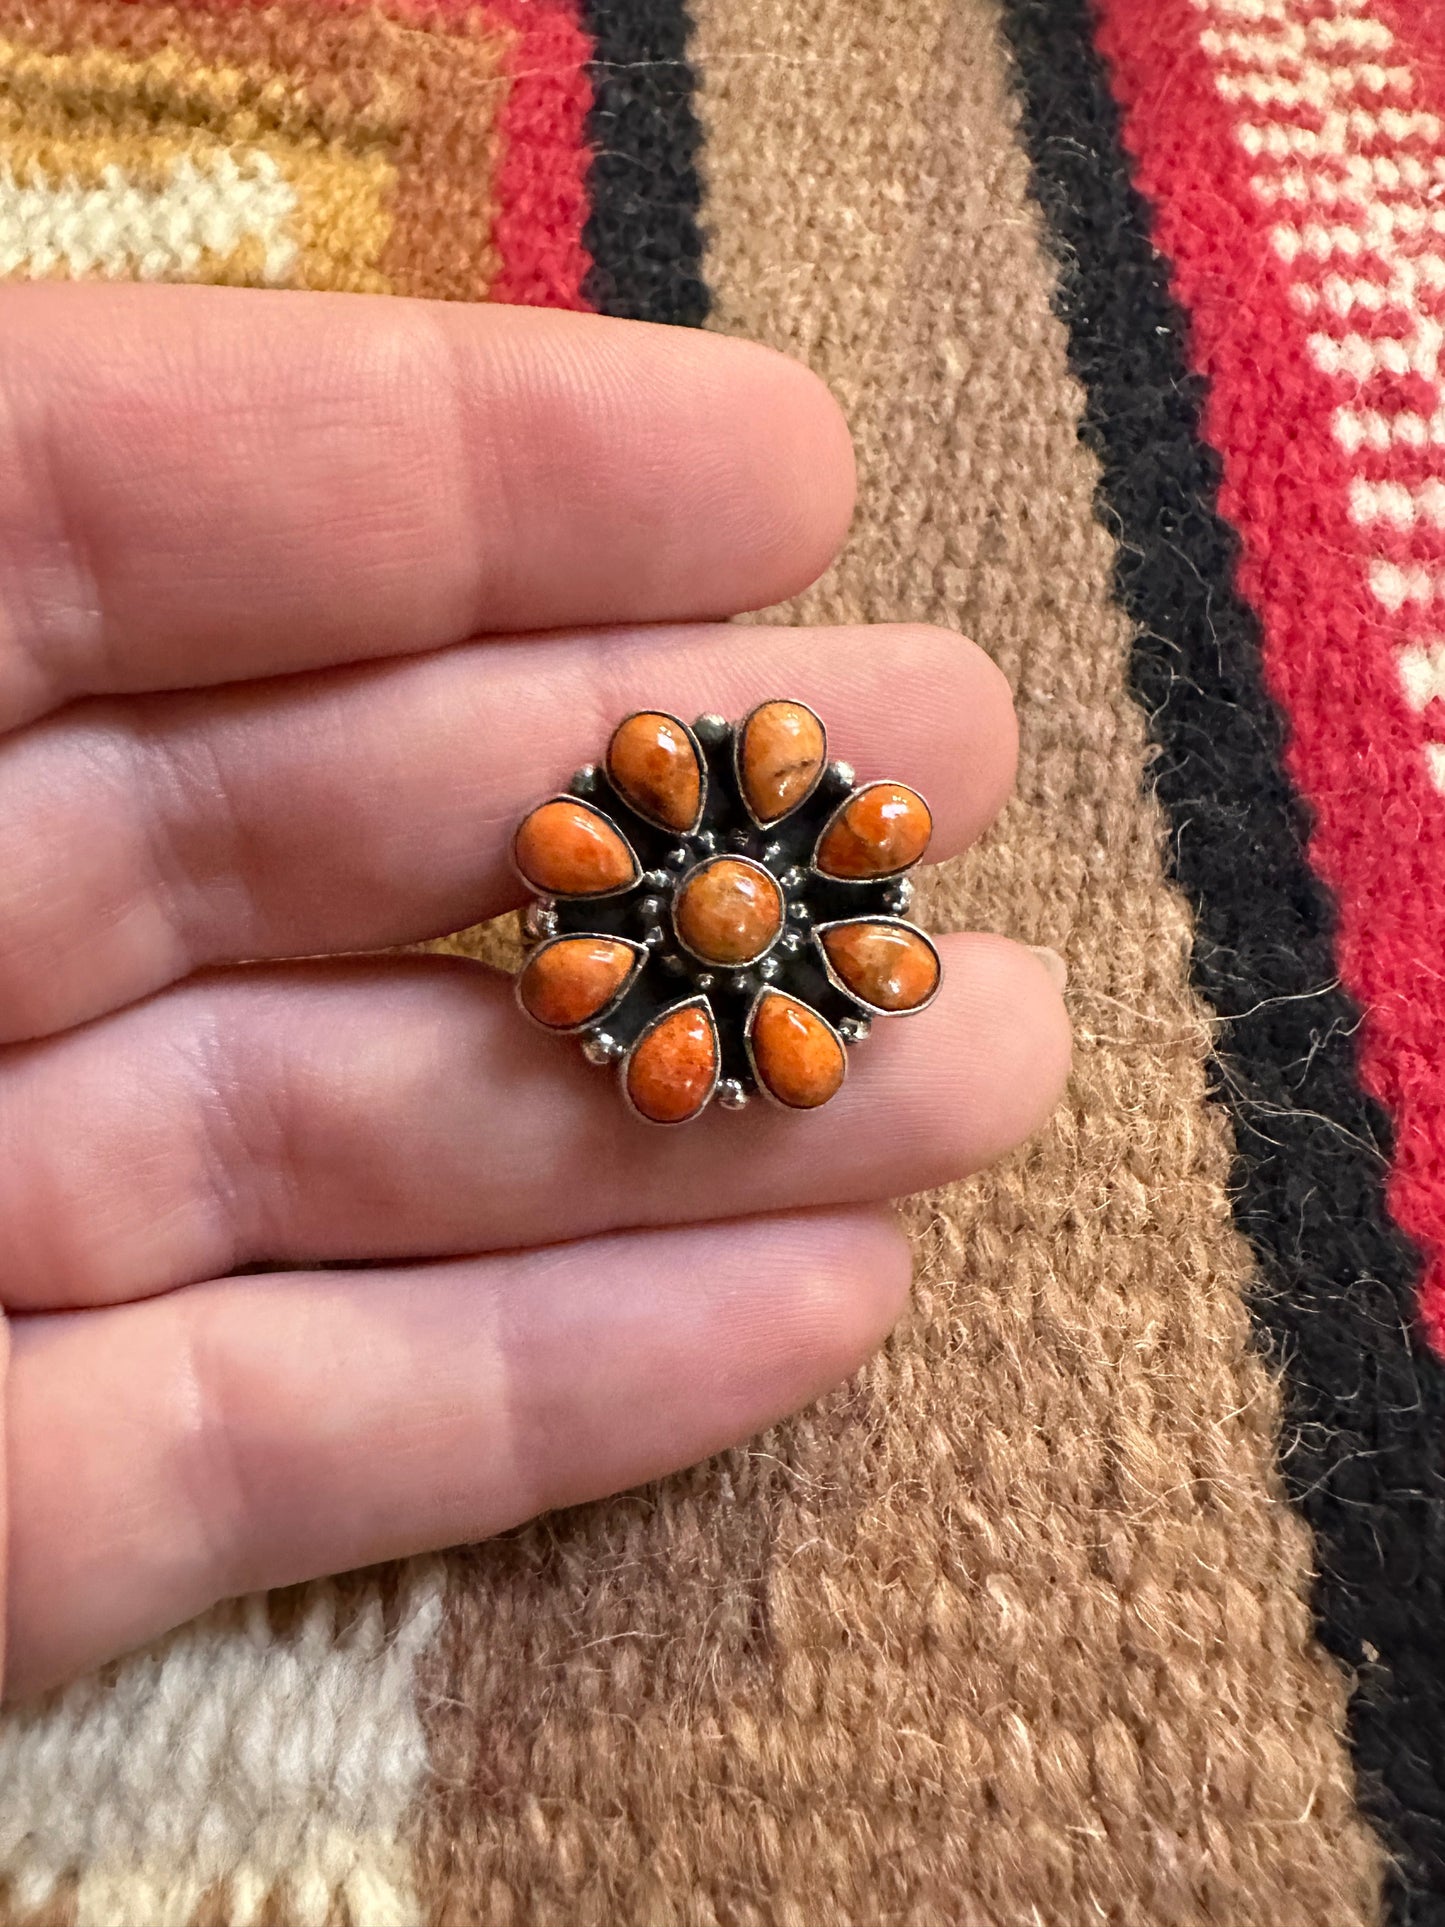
column 1114, row 1591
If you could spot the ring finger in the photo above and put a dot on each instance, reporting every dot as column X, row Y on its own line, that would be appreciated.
column 374, row 1110
column 143, row 838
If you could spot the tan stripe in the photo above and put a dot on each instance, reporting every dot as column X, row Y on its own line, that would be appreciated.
column 1011, row 1630
column 425, row 101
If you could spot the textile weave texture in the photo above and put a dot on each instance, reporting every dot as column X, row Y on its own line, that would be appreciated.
column 1113, row 1589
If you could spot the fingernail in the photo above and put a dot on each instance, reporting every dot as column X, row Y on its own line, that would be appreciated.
column 1054, row 964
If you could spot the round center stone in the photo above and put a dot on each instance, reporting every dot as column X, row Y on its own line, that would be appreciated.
column 729, row 911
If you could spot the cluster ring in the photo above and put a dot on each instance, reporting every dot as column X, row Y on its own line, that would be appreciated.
column 719, row 910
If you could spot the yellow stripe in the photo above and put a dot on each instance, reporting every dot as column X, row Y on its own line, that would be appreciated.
column 233, row 103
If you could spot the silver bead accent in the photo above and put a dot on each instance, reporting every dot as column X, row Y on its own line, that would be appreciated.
column 585, row 780
column 768, row 969
column 710, row 728
column 704, row 980
column 853, row 1030
column 655, row 937
column 800, row 913
column 791, row 940
column 772, row 852
column 705, row 842
column 601, row 1048
column 898, row 896
column 731, row 1095
column 842, row 776
column 678, row 859
column 657, row 880
column 793, row 880
column 673, row 964
column 739, row 839
column 539, row 920
column 650, row 909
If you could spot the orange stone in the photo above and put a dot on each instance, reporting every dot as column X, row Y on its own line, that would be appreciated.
column 729, row 911
column 780, row 758
column 568, row 849
column 795, row 1054
column 880, row 830
column 673, row 1065
column 653, row 763
column 888, row 966
column 565, row 983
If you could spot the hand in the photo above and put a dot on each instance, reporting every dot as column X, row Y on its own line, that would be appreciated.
column 245, row 542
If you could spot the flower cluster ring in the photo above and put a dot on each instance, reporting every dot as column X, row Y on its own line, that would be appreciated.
column 720, row 910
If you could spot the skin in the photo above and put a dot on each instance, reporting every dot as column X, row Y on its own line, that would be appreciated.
column 303, row 600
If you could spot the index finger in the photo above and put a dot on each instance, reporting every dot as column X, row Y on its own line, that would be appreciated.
column 203, row 485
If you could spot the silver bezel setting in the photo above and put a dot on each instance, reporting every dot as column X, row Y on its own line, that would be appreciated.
column 894, row 923
column 657, row 822
column 747, row 863
column 667, row 979
column 624, row 1069
column 739, row 736
column 877, row 876
column 599, row 1016
column 577, row 896
column 771, row 990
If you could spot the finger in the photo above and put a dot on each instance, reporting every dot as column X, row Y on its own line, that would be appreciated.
column 256, row 1432
column 200, row 484
column 368, row 1111
column 353, row 810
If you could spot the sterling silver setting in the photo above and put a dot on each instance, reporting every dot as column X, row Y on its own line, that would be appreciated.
column 686, row 1028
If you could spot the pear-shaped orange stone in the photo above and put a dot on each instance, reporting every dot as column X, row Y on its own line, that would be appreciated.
column 567, row 982
column 568, row 849
column 780, row 758
column 879, row 831
column 653, row 763
column 886, row 964
column 795, row 1054
column 673, row 1066
column 728, row 911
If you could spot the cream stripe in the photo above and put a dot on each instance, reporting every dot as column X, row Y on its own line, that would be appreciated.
column 1320, row 87
column 231, row 1757
column 1400, row 504
column 1378, row 227
column 1340, row 133
column 1420, row 279
column 1384, row 180
column 1357, row 428
column 1285, row 12
column 1294, row 40
column 1422, row 673
column 1395, row 585
column 1363, row 356
column 122, row 228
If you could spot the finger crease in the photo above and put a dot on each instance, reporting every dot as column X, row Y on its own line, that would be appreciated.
column 210, row 1469
column 52, row 575
column 171, row 789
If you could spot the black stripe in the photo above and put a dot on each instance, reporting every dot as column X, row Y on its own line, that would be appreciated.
column 643, row 232
column 1365, row 1401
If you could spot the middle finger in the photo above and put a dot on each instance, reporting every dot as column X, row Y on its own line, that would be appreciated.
column 371, row 1109
column 142, row 839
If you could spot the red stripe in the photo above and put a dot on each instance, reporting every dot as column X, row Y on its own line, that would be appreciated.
column 1331, row 649
column 542, row 180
